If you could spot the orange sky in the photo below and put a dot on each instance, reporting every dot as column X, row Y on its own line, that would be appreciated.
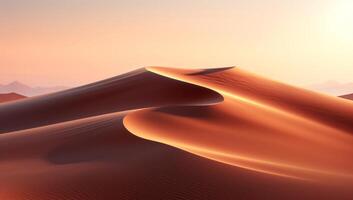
column 47, row 42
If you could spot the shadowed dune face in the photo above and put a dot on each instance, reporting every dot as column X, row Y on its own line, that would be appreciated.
column 166, row 133
column 135, row 90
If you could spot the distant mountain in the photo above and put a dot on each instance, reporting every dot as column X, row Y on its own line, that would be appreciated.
column 10, row 97
column 23, row 89
column 333, row 87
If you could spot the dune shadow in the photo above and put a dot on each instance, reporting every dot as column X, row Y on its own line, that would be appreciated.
column 210, row 71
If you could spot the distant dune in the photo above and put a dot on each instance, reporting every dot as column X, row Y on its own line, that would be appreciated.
column 349, row 96
column 163, row 133
column 10, row 97
column 23, row 89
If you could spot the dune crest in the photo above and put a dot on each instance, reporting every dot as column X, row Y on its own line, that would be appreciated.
column 163, row 133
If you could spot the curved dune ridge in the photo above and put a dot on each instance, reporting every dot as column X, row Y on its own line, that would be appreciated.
column 163, row 133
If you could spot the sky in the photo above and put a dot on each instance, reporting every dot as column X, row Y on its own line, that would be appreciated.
column 73, row 42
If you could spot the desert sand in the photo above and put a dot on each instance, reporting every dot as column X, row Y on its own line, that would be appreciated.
column 163, row 133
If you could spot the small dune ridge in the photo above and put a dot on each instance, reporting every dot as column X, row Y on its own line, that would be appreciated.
column 10, row 97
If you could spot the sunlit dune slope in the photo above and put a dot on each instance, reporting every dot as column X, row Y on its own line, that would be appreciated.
column 162, row 133
column 10, row 97
column 261, row 125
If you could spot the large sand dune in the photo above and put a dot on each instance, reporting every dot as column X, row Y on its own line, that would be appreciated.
column 161, row 133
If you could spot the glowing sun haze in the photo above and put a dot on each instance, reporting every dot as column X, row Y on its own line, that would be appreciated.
column 71, row 42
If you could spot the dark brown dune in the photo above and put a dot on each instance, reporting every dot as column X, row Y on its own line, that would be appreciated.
column 177, row 134
column 10, row 97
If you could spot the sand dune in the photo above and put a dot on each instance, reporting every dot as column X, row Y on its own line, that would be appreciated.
column 348, row 96
column 135, row 90
column 162, row 133
column 10, row 97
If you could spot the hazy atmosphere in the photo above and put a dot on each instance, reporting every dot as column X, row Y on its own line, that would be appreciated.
column 72, row 42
